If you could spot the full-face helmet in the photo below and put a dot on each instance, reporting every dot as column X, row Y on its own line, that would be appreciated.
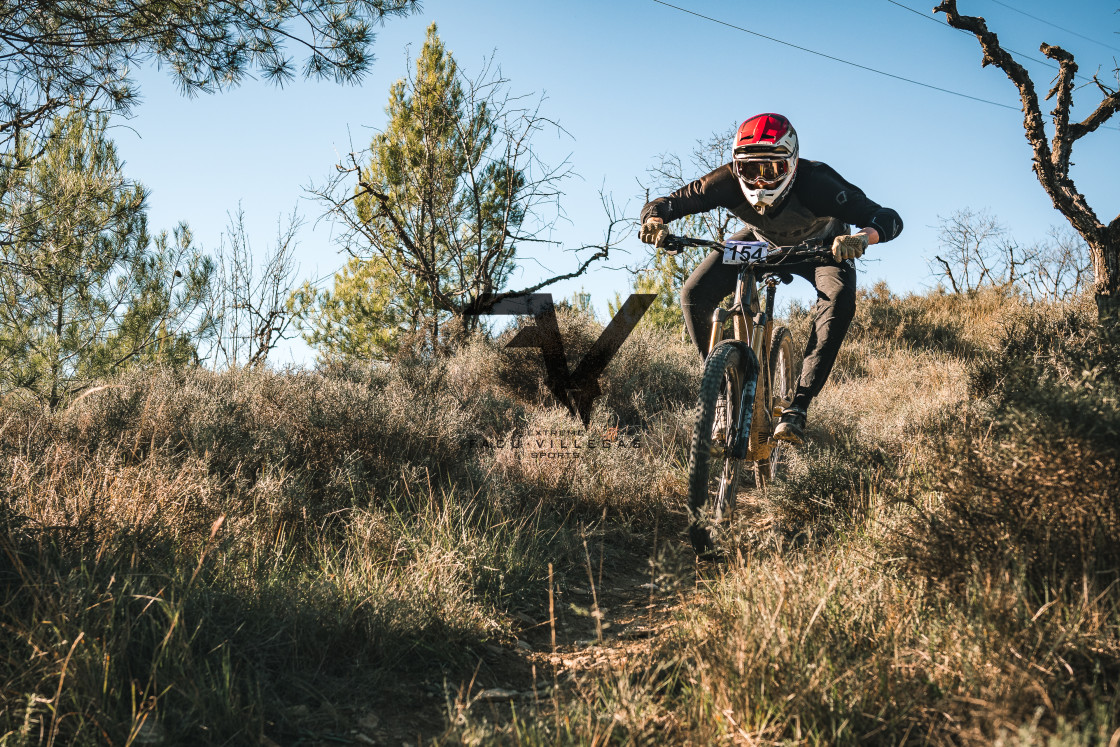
column 765, row 159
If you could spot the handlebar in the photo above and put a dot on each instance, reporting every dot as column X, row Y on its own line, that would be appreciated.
column 778, row 255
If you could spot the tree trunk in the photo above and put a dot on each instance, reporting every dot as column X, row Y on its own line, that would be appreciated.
column 435, row 328
column 56, row 364
column 1106, row 274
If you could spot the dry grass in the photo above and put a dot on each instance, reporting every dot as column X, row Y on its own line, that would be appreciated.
column 938, row 566
column 212, row 559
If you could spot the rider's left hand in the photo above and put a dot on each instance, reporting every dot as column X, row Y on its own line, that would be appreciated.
column 849, row 247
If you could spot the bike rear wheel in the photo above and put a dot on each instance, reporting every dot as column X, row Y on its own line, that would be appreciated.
column 783, row 383
column 713, row 473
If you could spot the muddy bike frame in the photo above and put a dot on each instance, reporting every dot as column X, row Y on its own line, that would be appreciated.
column 761, row 264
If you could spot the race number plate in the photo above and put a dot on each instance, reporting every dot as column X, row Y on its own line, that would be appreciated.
column 739, row 252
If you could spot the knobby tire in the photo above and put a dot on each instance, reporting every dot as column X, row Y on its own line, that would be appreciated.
column 782, row 370
column 713, row 475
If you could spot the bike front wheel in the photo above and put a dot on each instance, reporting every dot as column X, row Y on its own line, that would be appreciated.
column 782, row 370
column 713, row 472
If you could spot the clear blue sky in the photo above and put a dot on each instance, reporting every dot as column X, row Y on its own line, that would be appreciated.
column 631, row 79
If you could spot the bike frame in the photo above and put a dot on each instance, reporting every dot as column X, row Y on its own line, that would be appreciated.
column 752, row 322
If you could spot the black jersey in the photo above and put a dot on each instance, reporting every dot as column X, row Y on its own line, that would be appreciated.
column 821, row 205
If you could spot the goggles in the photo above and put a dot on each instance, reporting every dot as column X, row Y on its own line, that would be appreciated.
column 762, row 172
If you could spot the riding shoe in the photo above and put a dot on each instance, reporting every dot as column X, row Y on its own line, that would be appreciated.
column 792, row 426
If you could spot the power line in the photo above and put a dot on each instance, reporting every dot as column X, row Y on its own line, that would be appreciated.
column 834, row 59
column 843, row 61
column 1054, row 25
column 940, row 22
column 1007, row 49
column 1023, row 55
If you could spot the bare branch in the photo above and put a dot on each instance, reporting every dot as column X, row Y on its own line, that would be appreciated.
column 1063, row 90
column 948, row 273
column 1108, row 106
column 249, row 299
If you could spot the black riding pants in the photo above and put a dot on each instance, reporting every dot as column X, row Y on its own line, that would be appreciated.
column 712, row 281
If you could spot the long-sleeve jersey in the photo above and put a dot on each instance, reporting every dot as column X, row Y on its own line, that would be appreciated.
column 821, row 205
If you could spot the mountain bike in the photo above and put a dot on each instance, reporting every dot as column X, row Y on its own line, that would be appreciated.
column 749, row 378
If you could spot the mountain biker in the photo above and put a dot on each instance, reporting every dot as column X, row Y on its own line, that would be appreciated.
column 784, row 200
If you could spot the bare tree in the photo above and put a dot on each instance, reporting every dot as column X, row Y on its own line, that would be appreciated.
column 1060, row 268
column 975, row 252
column 1052, row 159
column 664, row 274
column 250, row 298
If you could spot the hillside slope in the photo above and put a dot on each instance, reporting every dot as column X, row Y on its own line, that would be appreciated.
column 436, row 552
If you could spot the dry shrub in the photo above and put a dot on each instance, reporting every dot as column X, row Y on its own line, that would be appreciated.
column 887, row 330
column 957, row 324
column 366, row 542
column 829, row 488
column 827, row 648
column 1021, row 529
column 867, row 434
column 521, row 371
column 1032, row 487
column 473, row 378
column 107, row 519
column 903, row 394
column 215, row 643
column 1047, row 352
column 363, row 538
column 651, row 374
column 157, row 497
column 1030, row 497
column 319, row 442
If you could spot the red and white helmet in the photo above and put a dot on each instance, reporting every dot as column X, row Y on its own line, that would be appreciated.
column 765, row 159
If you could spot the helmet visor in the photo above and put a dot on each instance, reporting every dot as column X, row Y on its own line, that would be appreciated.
column 763, row 173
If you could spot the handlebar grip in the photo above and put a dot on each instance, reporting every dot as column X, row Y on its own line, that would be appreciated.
column 673, row 245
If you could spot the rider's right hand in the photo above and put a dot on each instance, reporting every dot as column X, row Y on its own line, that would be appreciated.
column 654, row 231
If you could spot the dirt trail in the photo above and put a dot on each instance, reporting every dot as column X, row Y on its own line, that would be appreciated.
column 598, row 624
column 601, row 621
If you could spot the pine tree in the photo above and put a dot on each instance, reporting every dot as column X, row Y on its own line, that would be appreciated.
column 81, row 54
column 82, row 292
column 360, row 317
column 437, row 213
column 450, row 191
